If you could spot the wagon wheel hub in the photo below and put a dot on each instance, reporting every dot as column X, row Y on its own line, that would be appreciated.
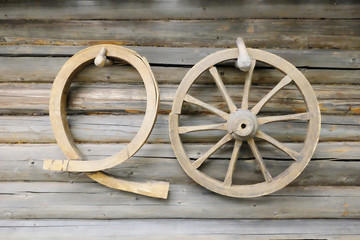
column 242, row 124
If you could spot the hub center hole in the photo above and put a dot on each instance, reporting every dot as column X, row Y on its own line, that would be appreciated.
column 243, row 125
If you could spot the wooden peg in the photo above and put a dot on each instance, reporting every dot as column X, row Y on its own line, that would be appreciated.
column 243, row 61
column 101, row 60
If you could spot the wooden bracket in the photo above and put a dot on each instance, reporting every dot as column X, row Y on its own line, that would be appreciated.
column 243, row 61
column 60, row 126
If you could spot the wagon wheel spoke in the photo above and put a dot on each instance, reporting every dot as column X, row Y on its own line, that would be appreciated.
column 285, row 81
column 248, row 79
column 293, row 154
column 260, row 160
column 206, row 155
column 190, row 99
column 298, row 116
column 231, row 168
column 186, row 129
column 220, row 84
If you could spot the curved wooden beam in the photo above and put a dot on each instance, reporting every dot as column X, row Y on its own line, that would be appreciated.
column 150, row 188
column 60, row 126
column 58, row 116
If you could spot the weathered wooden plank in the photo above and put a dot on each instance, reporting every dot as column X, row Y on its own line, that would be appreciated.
column 45, row 69
column 259, row 33
column 181, row 229
column 122, row 128
column 157, row 161
column 166, row 9
column 20, row 98
column 179, row 56
column 63, row 200
column 28, row 152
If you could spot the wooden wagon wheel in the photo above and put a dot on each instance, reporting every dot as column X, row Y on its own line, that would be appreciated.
column 60, row 126
column 241, row 124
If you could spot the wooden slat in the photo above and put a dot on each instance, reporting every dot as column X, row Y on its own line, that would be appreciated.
column 166, row 9
column 259, row 33
column 181, row 229
column 41, row 69
column 180, row 56
column 27, row 152
column 20, row 98
column 319, row 172
column 23, row 162
column 122, row 128
column 64, row 200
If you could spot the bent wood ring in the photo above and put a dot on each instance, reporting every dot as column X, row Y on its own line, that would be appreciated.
column 241, row 124
column 60, row 126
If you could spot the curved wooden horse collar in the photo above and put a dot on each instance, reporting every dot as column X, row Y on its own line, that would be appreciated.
column 60, row 126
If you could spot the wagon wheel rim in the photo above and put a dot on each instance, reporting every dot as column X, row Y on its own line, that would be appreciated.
column 58, row 116
column 245, row 133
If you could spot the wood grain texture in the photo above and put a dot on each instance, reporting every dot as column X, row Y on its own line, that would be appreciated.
column 25, row 98
column 257, row 33
column 64, row 200
column 179, row 229
column 324, row 58
column 342, row 151
column 37, row 37
column 41, row 69
column 23, row 162
column 122, row 128
column 166, row 9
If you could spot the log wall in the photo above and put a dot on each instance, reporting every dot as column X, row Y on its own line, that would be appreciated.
column 106, row 106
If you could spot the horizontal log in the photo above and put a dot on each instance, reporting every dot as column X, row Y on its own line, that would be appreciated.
column 222, row 229
column 122, row 129
column 258, row 33
column 27, row 152
column 45, row 69
column 21, row 98
column 166, row 9
column 21, row 200
column 322, row 58
column 23, row 162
